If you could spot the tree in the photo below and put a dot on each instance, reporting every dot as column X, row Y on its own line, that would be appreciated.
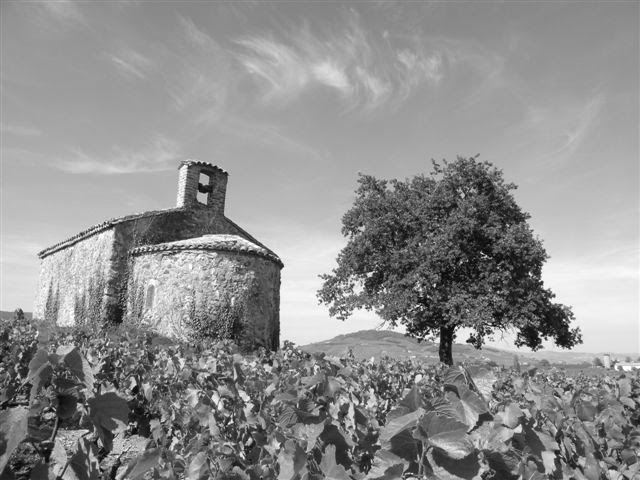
column 597, row 362
column 627, row 359
column 443, row 251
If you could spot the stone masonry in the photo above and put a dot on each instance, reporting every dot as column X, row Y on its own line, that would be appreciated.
column 184, row 271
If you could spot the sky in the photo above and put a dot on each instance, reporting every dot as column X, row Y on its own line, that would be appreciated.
column 101, row 100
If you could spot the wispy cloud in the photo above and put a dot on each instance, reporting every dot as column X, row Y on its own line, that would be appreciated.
column 131, row 64
column 366, row 70
column 20, row 130
column 64, row 11
column 583, row 123
column 561, row 129
column 204, row 77
column 160, row 154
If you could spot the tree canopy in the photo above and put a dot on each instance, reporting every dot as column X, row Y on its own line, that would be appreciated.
column 443, row 251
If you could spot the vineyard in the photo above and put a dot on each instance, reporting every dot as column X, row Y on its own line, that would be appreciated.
column 140, row 406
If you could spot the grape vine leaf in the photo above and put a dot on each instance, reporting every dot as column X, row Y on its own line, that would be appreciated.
column 292, row 459
column 77, row 364
column 386, row 466
column 446, row 468
column 110, row 415
column 198, row 467
column 446, row 433
column 404, row 445
column 511, row 415
column 141, row 464
column 41, row 471
column 506, row 465
column 13, row 429
column 483, row 380
column 455, row 376
column 84, row 464
column 309, row 432
column 330, row 468
column 491, row 436
column 468, row 405
column 397, row 425
column 549, row 461
column 40, row 370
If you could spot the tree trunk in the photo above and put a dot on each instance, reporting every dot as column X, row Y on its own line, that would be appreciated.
column 446, row 344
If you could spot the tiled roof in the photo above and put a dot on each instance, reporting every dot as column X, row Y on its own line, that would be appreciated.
column 203, row 164
column 215, row 242
column 95, row 229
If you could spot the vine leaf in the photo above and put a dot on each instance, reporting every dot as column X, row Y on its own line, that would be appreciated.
column 483, row 380
column 445, row 433
column 13, row 429
column 198, row 467
column 142, row 464
column 292, row 459
column 511, row 415
column 110, row 415
column 447, row 468
column 492, row 437
column 386, row 466
column 41, row 471
column 84, row 464
column 468, row 405
column 330, row 468
column 77, row 364
column 308, row 431
column 40, row 370
column 397, row 425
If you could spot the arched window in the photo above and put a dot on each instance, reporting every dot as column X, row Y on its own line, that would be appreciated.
column 149, row 297
column 204, row 189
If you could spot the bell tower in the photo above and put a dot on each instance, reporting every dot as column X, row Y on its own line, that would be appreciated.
column 201, row 183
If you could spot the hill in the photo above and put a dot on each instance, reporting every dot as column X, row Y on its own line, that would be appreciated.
column 375, row 343
column 4, row 315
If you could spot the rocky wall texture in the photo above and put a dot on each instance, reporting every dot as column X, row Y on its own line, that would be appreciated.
column 161, row 227
column 207, row 294
column 73, row 286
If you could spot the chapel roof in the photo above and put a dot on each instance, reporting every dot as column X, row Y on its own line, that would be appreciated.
column 212, row 242
column 100, row 227
column 202, row 164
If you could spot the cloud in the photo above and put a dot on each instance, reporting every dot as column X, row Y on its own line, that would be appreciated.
column 160, row 154
column 561, row 129
column 581, row 126
column 20, row 130
column 64, row 11
column 131, row 65
column 204, row 77
column 366, row 70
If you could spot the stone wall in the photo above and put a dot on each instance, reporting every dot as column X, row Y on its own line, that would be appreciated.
column 73, row 286
column 227, row 294
column 98, row 263
column 161, row 227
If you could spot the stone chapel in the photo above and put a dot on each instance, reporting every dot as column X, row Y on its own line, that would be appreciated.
column 186, row 272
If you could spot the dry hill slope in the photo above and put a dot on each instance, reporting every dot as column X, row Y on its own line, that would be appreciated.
column 375, row 343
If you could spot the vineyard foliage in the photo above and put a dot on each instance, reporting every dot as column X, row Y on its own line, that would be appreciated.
column 208, row 411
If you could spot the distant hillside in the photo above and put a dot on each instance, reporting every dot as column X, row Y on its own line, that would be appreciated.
column 375, row 343
column 9, row 315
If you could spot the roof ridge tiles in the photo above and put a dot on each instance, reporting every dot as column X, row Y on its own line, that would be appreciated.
column 97, row 228
column 224, row 242
column 202, row 164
